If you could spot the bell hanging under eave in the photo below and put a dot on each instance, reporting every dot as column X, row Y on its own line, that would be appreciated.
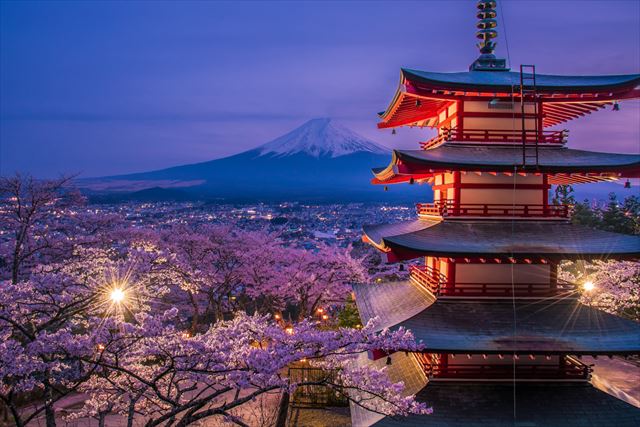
column 627, row 184
column 393, row 131
column 616, row 106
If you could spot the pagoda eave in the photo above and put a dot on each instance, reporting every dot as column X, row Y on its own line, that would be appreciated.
column 557, row 240
column 469, row 403
column 451, row 326
column 422, row 95
column 422, row 164
column 620, row 86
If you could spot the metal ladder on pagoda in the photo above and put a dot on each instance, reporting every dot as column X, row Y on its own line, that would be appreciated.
column 528, row 94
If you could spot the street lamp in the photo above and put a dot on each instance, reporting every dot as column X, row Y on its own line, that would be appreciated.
column 588, row 286
column 117, row 295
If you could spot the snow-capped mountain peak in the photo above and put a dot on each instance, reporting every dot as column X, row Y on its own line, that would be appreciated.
column 320, row 138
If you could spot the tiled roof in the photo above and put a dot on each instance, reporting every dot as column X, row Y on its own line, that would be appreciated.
column 497, row 158
column 522, row 238
column 404, row 367
column 491, row 326
column 468, row 404
column 391, row 303
column 507, row 80
column 551, row 159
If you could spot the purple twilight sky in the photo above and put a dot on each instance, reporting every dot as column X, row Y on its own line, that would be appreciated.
column 114, row 87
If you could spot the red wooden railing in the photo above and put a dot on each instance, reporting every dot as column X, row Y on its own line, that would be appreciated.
column 427, row 277
column 464, row 289
column 450, row 208
column 529, row 371
column 567, row 368
column 497, row 136
column 437, row 283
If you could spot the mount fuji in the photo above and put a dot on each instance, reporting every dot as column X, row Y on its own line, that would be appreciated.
column 320, row 138
column 318, row 161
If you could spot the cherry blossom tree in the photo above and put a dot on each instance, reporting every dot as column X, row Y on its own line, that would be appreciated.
column 321, row 278
column 616, row 285
column 182, row 379
column 30, row 214
column 41, row 221
column 52, row 322
column 65, row 332
column 221, row 270
column 212, row 266
column 170, row 326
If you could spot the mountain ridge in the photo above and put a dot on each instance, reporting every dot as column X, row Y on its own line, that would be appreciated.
column 319, row 160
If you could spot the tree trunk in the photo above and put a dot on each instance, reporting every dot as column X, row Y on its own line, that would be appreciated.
column 281, row 421
column 16, row 415
column 131, row 412
column 50, row 415
column 195, row 321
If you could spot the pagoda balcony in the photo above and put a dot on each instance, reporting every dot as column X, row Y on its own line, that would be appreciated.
column 427, row 277
column 438, row 284
column 449, row 208
column 567, row 369
column 497, row 136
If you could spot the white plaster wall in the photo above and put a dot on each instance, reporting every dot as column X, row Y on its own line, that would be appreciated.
column 497, row 123
column 483, row 107
column 500, row 196
column 485, row 178
column 501, row 273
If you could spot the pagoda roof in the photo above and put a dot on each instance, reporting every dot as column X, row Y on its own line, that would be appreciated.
column 561, row 240
column 500, row 158
column 487, row 326
column 473, row 404
column 504, row 81
column 564, row 97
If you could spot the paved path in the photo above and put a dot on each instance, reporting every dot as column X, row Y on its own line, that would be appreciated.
column 617, row 377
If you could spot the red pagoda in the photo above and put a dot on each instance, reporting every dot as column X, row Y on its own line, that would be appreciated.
column 503, row 335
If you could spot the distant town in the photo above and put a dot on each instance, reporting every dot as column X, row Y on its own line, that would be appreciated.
column 295, row 223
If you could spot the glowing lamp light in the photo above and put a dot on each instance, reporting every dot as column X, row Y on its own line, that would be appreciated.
column 325, row 317
column 277, row 316
column 320, row 310
column 588, row 286
column 117, row 295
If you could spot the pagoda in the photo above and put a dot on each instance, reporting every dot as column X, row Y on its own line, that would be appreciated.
column 504, row 336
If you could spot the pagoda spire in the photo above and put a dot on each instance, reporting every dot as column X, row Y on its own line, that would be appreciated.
column 487, row 25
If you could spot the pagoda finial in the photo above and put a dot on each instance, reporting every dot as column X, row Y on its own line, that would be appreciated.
column 486, row 25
